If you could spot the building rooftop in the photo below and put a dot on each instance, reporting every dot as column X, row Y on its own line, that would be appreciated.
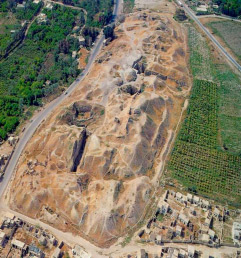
column 9, row 215
column 205, row 237
column 2, row 234
column 184, row 218
column 196, row 198
column 191, row 249
column 216, row 211
column 189, row 196
column 211, row 233
column 178, row 228
column 56, row 253
column 18, row 243
column 179, row 195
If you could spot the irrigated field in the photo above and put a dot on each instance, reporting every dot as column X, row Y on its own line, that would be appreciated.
column 196, row 161
column 229, row 32
column 206, row 157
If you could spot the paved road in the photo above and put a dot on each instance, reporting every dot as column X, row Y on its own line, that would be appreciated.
column 29, row 131
column 211, row 37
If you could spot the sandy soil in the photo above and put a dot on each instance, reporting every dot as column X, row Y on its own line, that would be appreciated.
column 90, row 168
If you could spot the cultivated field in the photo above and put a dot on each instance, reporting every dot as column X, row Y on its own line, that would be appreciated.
column 206, row 156
column 229, row 32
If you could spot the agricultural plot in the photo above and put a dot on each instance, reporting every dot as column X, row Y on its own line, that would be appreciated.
column 195, row 159
column 205, row 158
column 230, row 33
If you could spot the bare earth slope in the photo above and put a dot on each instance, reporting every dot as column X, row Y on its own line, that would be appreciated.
column 91, row 166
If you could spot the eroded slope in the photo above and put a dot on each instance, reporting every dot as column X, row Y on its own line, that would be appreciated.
column 90, row 168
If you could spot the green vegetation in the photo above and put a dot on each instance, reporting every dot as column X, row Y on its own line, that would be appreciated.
column 42, row 61
column 109, row 32
column 39, row 65
column 229, row 7
column 204, row 158
column 13, row 23
column 160, row 217
column 180, row 15
column 128, row 6
column 126, row 241
column 99, row 12
column 230, row 33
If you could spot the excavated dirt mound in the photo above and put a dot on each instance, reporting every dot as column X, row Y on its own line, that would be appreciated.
column 91, row 166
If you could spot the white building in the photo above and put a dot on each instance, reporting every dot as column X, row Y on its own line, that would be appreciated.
column 178, row 230
column 49, row 6
column 207, row 222
column 56, row 253
column 211, row 234
column 19, row 245
column 196, row 200
column 236, row 232
column 78, row 252
column 190, row 251
column 205, row 204
column 179, row 196
column 216, row 212
column 184, row 219
column 189, row 197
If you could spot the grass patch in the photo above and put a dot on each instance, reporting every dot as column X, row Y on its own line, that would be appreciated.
column 160, row 217
column 128, row 6
column 126, row 241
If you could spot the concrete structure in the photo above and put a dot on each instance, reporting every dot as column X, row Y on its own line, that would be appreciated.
column 204, row 238
column 179, row 196
column 192, row 211
column 142, row 254
column 182, row 253
column 81, row 40
column 202, row 8
column 78, row 252
column 216, row 212
column 153, row 237
column 42, row 18
column 164, row 208
column 211, row 234
column 9, row 215
column 158, row 239
column 74, row 54
column 196, row 200
column 12, row 140
column 207, row 222
column 42, row 240
column 35, row 251
column 19, row 6
column 49, row 6
column 56, row 253
column 205, row 204
column 184, row 219
column 236, row 232
column 178, row 230
column 189, row 198
column 19, row 245
column 172, row 253
column 190, row 251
